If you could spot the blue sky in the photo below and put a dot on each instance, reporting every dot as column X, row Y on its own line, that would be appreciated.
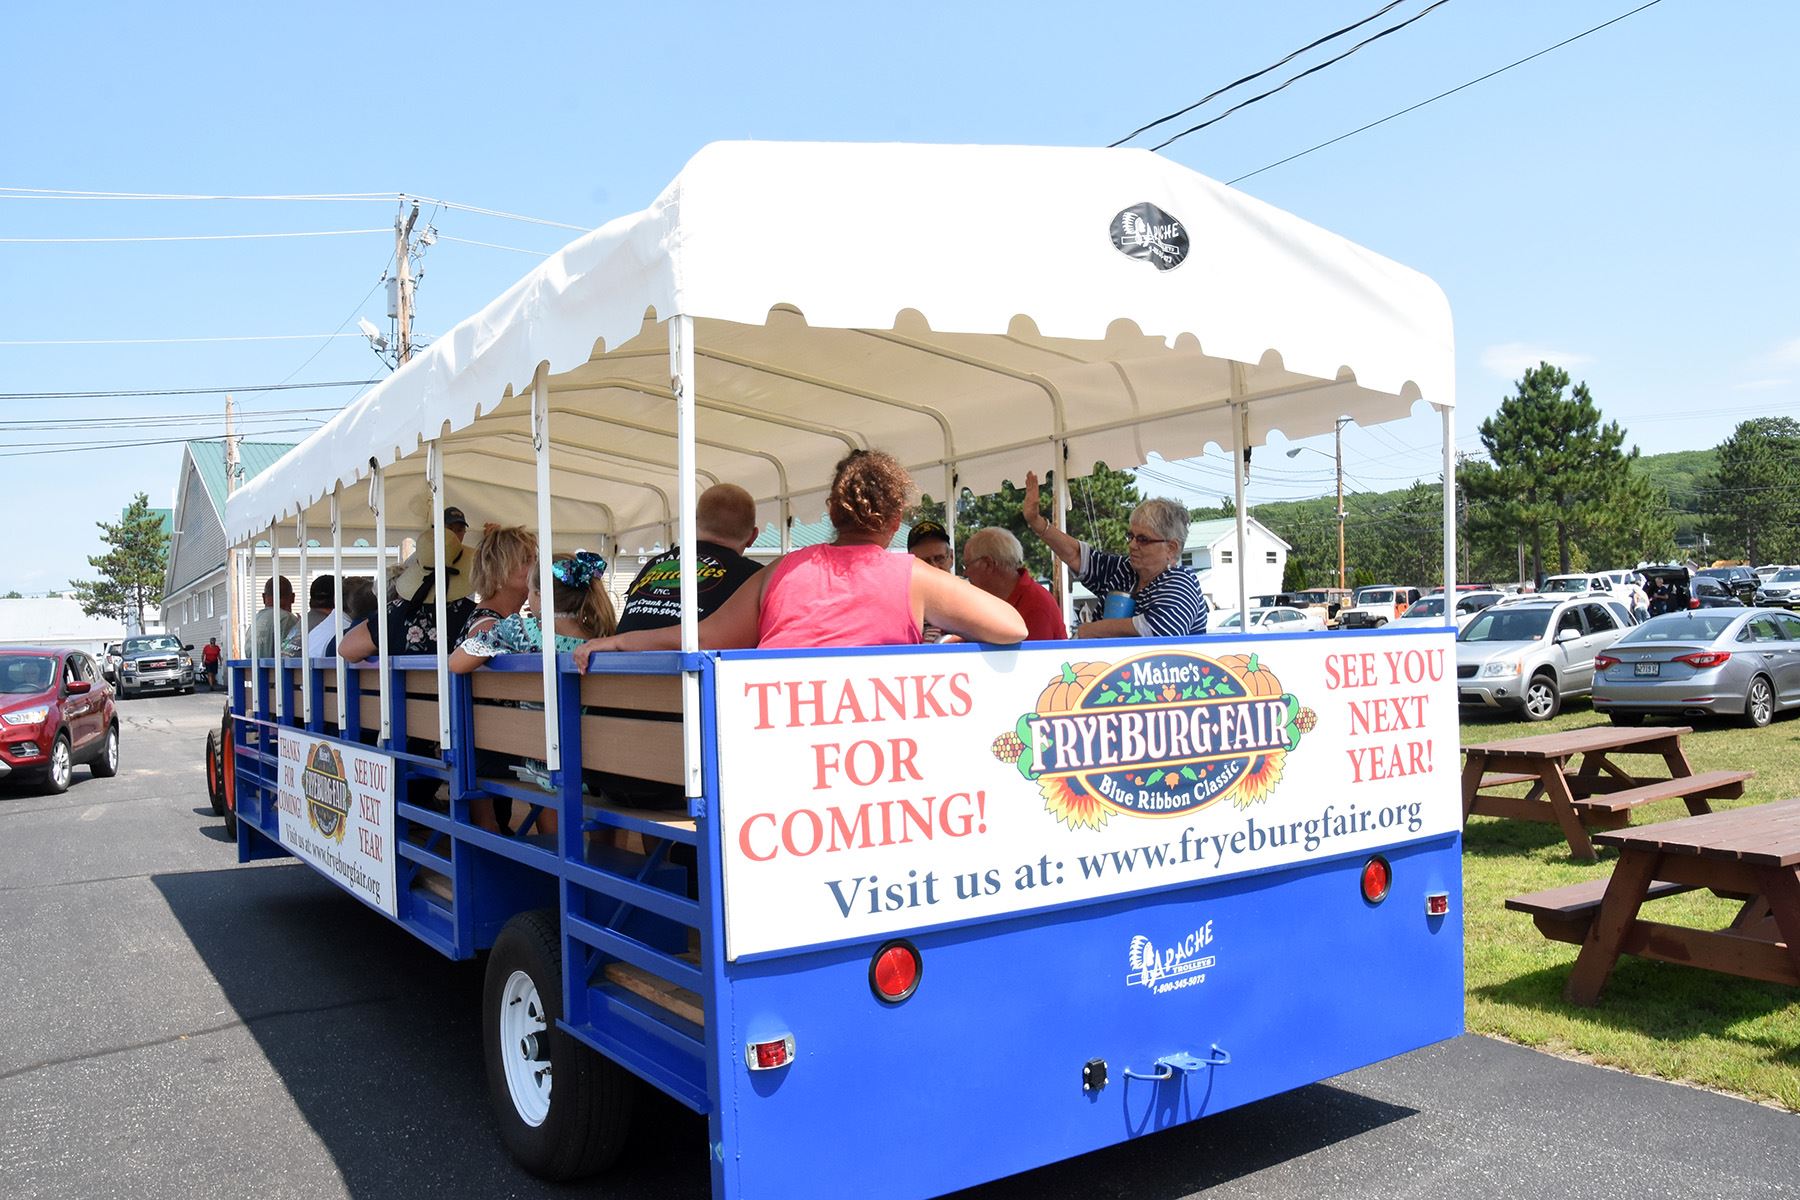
column 1622, row 206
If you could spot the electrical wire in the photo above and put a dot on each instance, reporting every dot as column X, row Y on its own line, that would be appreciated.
column 27, row 193
column 1214, row 95
column 151, row 420
column 1441, row 95
column 186, row 237
column 444, row 237
column 133, row 393
column 1313, row 70
column 251, row 337
column 93, row 446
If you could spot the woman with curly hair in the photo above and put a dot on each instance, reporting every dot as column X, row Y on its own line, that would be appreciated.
column 847, row 592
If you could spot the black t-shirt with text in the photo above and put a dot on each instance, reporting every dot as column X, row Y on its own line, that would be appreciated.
column 654, row 598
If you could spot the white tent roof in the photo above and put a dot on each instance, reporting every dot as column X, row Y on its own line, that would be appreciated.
column 962, row 305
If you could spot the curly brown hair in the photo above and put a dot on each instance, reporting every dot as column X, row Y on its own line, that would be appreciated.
column 869, row 490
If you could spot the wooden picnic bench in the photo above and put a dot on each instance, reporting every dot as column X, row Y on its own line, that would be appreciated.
column 1747, row 854
column 1599, row 791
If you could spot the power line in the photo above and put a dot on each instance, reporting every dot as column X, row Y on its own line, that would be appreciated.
column 444, row 237
column 150, row 421
column 132, row 393
column 28, row 193
column 1421, row 104
column 250, row 337
column 1429, row 9
column 92, row 446
column 1214, row 95
column 186, row 237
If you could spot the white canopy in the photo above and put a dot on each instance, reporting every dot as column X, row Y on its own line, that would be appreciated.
column 965, row 308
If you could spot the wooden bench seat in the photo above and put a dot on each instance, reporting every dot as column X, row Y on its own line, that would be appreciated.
column 1506, row 778
column 1612, row 810
column 689, row 1006
column 1563, row 914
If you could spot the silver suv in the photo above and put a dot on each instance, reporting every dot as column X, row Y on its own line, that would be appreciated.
column 1531, row 655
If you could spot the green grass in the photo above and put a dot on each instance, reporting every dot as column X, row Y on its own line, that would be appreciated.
column 1656, row 1019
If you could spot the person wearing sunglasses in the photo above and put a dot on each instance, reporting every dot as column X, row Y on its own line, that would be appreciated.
column 1166, row 595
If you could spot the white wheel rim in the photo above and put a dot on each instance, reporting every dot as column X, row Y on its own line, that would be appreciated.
column 112, row 749
column 59, row 762
column 1538, row 698
column 525, row 1048
column 1760, row 702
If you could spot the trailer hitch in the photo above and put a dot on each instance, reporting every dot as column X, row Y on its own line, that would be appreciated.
column 1169, row 1064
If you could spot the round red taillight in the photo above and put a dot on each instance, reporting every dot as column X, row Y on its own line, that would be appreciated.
column 1377, row 877
column 894, row 972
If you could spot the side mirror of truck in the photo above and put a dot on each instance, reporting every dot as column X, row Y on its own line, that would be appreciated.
column 1567, row 635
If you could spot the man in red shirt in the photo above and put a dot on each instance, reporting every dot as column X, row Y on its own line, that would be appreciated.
column 209, row 663
column 994, row 561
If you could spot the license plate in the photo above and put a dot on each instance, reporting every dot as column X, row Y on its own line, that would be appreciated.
column 1647, row 668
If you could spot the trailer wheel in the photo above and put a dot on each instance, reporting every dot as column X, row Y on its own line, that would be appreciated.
column 564, row 1110
column 215, row 771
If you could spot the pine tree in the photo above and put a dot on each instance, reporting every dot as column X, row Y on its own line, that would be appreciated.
column 131, row 570
column 1557, row 468
column 1751, row 504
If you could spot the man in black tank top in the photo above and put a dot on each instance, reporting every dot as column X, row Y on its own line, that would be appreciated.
column 724, row 524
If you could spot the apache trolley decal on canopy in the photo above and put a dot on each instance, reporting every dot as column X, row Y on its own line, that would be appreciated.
column 1161, row 735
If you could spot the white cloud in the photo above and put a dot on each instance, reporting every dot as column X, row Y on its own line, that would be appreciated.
column 1510, row 360
column 1760, row 385
column 1787, row 354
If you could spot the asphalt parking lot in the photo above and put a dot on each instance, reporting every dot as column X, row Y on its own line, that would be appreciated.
column 185, row 1026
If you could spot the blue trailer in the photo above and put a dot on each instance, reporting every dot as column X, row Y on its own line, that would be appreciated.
column 937, row 914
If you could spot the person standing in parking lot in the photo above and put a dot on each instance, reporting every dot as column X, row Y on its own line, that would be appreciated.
column 209, row 663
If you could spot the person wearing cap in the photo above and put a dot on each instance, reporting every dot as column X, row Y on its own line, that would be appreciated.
column 1166, row 595
column 411, row 617
column 724, row 525
column 994, row 561
column 929, row 542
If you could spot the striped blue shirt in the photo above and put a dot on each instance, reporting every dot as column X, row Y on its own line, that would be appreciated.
column 1171, row 605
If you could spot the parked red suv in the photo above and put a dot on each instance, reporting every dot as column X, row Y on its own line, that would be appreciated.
column 55, row 711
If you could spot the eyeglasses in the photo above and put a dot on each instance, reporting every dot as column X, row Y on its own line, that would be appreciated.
column 1138, row 539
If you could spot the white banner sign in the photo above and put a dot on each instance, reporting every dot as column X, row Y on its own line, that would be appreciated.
column 865, row 794
column 337, row 812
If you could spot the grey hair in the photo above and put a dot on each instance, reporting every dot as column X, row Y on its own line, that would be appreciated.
column 995, row 543
column 1167, row 519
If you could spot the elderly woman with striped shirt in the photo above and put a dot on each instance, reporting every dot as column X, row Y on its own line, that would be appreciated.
column 1167, row 597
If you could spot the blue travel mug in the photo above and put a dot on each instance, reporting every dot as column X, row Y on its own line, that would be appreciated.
column 1118, row 604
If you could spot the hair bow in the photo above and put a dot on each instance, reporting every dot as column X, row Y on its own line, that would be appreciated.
column 579, row 570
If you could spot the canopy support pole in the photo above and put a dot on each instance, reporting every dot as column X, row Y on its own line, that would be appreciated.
column 256, row 707
column 681, row 382
column 1240, row 470
column 337, row 604
column 378, row 502
column 280, row 676
column 303, row 587
column 1448, row 414
column 950, row 511
column 540, row 441
column 1059, row 505
column 440, row 589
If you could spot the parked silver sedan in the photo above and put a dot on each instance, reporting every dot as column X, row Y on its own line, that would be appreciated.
column 1705, row 661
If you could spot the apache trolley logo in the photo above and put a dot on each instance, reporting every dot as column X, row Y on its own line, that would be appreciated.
column 1182, row 964
column 327, row 792
column 1147, row 232
column 1160, row 735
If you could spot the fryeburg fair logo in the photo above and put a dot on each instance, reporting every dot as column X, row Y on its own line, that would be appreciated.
column 327, row 792
column 1156, row 736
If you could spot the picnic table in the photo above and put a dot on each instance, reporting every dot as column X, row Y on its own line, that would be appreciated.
column 1600, row 791
column 1747, row 854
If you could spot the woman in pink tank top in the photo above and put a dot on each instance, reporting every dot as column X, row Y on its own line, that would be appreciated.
column 850, row 592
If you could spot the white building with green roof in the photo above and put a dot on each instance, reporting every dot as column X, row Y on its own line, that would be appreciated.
column 194, row 593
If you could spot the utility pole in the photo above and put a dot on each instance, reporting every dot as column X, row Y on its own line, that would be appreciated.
column 233, row 582
column 402, row 295
column 1337, row 436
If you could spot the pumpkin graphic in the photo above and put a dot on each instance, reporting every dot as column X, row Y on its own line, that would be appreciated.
column 1066, row 688
column 1258, row 679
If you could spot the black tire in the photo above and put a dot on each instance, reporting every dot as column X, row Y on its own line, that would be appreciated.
column 1627, row 720
column 591, row 1098
column 106, row 763
column 215, row 773
column 60, row 771
column 1759, row 703
column 1543, row 699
